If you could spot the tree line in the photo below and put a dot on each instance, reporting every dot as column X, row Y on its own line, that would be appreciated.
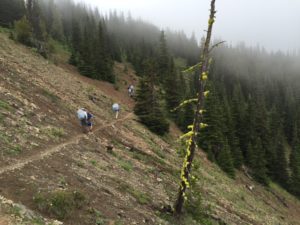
column 252, row 113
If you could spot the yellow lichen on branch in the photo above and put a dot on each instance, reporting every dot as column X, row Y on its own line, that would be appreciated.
column 184, row 103
column 192, row 68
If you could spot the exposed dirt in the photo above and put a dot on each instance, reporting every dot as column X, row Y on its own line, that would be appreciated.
column 43, row 151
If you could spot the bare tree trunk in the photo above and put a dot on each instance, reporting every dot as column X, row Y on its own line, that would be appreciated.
column 204, row 61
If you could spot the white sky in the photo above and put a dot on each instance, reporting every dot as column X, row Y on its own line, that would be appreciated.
column 273, row 24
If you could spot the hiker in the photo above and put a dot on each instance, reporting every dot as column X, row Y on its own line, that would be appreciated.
column 116, row 109
column 85, row 118
column 130, row 90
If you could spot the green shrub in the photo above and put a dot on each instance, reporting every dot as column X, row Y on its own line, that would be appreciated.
column 14, row 150
column 126, row 165
column 54, row 132
column 142, row 198
column 51, row 96
column 1, row 118
column 23, row 31
column 4, row 105
column 60, row 203
column 93, row 162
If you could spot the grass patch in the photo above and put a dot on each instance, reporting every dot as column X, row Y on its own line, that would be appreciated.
column 53, row 98
column 4, row 105
column 142, row 198
column 80, row 164
column 99, row 220
column 4, row 139
column 4, row 30
column 37, row 221
column 54, row 132
column 113, row 153
column 160, row 153
column 59, row 52
column 14, row 150
column 126, row 165
column 1, row 118
column 138, row 156
column 60, row 204
column 15, row 210
column 94, row 162
column 90, row 90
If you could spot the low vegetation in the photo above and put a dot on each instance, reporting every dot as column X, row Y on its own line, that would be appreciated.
column 61, row 204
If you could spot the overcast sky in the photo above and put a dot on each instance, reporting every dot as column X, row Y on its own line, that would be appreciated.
column 273, row 24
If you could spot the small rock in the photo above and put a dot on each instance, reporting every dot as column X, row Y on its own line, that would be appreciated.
column 36, row 129
column 25, row 101
column 34, row 144
column 13, row 123
column 19, row 112
column 159, row 179
column 33, row 106
column 56, row 222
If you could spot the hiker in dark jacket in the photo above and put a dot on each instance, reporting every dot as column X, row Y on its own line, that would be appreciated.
column 85, row 118
column 131, row 90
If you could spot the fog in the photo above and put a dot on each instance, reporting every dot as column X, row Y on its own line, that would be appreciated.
column 272, row 24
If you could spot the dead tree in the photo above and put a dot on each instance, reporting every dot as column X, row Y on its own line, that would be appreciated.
column 197, row 123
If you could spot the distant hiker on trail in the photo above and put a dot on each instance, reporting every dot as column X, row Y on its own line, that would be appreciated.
column 130, row 90
column 85, row 118
column 116, row 109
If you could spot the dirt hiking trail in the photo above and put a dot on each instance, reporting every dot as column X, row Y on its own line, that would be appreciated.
column 48, row 152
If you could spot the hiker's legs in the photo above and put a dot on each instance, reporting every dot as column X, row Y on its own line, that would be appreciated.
column 117, row 114
column 84, row 126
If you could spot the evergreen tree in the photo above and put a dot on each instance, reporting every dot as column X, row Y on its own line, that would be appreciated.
column 249, row 136
column 212, row 137
column 276, row 129
column 172, row 89
column 11, row 11
column 53, row 19
column 35, row 18
column 259, row 163
column 230, row 133
column 281, row 165
column 224, row 160
column 163, row 58
column 238, row 112
column 23, row 31
column 147, row 105
column 103, row 60
column 294, row 184
column 76, row 36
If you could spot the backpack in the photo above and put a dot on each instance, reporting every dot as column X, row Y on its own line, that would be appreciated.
column 81, row 114
column 116, row 107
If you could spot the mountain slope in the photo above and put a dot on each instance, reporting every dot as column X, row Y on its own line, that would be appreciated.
column 48, row 164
